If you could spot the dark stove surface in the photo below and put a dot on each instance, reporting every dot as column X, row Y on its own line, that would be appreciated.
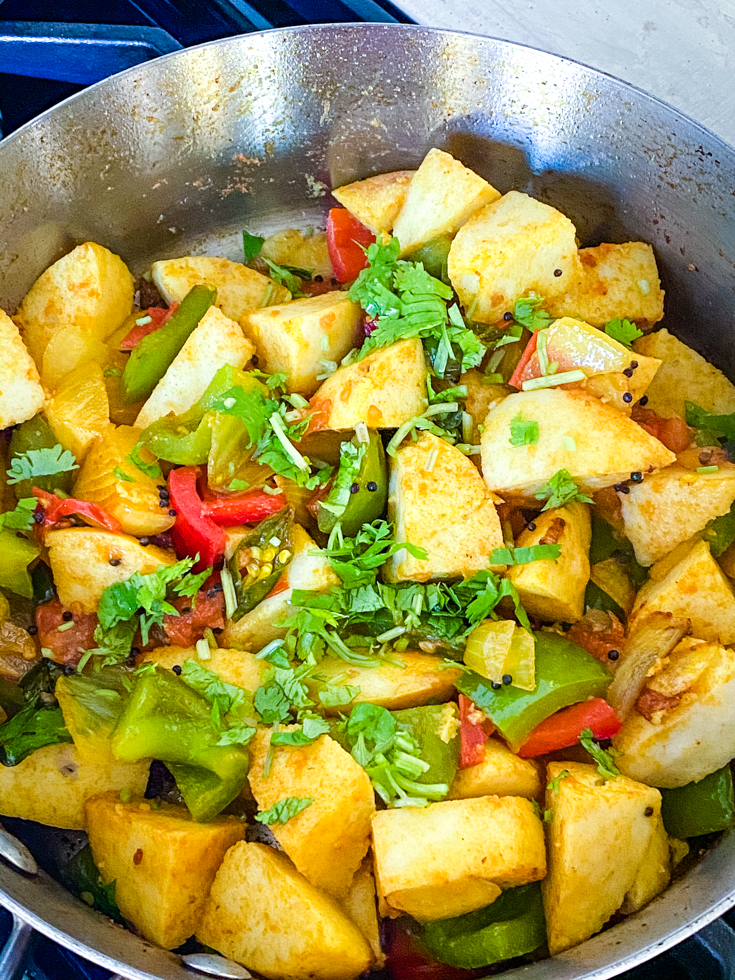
column 50, row 49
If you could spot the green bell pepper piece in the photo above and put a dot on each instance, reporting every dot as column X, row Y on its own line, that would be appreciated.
column 362, row 466
column 187, row 439
column 185, row 443
column 95, row 701
column 152, row 357
column 82, row 877
column 512, row 926
column 44, row 589
column 434, row 256
column 427, row 725
column 165, row 719
column 16, row 554
column 700, row 808
column 565, row 674
column 251, row 559
column 36, row 434
column 35, row 725
column 597, row 598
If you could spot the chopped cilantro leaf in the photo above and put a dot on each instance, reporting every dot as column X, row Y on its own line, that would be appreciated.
column 718, row 425
column 526, row 312
column 153, row 470
column 560, row 490
column 553, row 785
column 333, row 695
column 283, row 693
column 288, row 276
column 311, row 728
column 41, row 462
column 20, row 519
column 251, row 246
column 226, row 696
column 623, row 331
column 236, row 735
column 603, row 757
column 285, row 810
column 523, row 556
column 523, row 433
column 189, row 585
column 122, row 475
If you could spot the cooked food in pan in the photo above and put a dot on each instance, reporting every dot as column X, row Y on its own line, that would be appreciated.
column 368, row 600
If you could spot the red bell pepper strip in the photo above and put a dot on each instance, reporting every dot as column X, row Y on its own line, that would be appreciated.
column 516, row 378
column 193, row 532
column 563, row 729
column 55, row 509
column 158, row 316
column 251, row 507
column 472, row 735
column 345, row 236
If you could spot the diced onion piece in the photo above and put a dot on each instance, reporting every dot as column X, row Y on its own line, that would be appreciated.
column 644, row 286
column 488, row 646
column 655, row 637
column 521, row 662
column 569, row 444
column 361, row 431
column 202, row 648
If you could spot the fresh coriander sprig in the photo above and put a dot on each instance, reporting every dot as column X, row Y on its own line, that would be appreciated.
column 138, row 603
column 560, row 490
column 251, row 245
column 524, row 556
column 523, row 432
column 21, row 518
column 285, row 810
column 391, row 757
column 41, row 462
column 623, row 331
column 527, row 312
column 605, row 758
column 404, row 301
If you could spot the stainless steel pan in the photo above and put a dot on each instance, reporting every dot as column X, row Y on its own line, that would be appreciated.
column 185, row 151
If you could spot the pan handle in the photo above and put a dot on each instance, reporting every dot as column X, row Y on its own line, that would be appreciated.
column 13, row 954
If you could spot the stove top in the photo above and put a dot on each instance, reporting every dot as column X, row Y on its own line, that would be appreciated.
column 50, row 49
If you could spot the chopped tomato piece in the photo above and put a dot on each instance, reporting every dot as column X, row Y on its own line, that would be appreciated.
column 206, row 612
column 67, row 645
column 517, row 378
column 312, row 287
column 650, row 702
column 674, row 433
column 250, row 507
column 55, row 509
column 347, row 239
column 193, row 532
column 563, row 729
column 599, row 642
column 158, row 316
column 472, row 734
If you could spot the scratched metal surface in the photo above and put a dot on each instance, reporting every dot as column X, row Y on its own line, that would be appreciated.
column 252, row 132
